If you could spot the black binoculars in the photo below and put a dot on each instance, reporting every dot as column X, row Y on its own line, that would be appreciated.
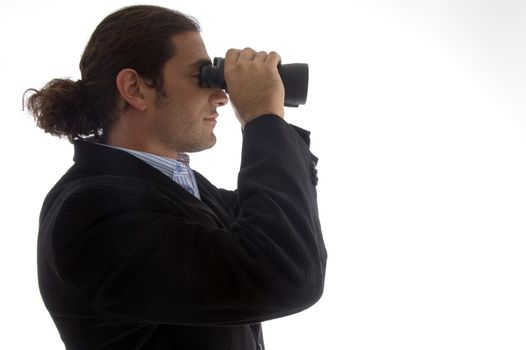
column 295, row 78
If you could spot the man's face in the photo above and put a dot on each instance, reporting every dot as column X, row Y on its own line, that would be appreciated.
column 184, row 119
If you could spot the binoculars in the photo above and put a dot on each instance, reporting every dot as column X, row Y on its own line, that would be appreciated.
column 295, row 78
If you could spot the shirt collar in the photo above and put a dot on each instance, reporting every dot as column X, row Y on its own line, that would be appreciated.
column 168, row 166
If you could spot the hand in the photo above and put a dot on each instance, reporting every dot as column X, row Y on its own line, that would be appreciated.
column 254, row 85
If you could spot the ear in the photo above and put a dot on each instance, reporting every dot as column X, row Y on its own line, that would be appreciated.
column 129, row 84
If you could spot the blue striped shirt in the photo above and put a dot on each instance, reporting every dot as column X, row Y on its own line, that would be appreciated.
column 176, row 169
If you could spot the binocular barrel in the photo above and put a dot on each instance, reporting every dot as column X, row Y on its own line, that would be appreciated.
column 295, row 78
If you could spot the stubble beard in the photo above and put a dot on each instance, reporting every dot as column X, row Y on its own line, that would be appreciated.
column 182, row 132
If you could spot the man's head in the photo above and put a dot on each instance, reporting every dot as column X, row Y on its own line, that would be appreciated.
column 181, row 117
column 136, row 42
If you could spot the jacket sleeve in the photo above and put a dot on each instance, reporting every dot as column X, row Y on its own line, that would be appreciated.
column 132, row 255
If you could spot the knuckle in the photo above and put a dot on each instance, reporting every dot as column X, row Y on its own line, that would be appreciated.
column 232, row 52
column 274, row 55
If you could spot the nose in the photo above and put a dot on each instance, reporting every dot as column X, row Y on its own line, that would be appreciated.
column 218, row 98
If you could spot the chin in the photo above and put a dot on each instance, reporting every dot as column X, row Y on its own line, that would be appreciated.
column 211, row 144
column 203, row 146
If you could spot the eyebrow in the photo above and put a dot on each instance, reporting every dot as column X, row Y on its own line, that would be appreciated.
column 200, row 62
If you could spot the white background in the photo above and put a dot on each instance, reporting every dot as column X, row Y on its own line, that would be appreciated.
column 417, row 112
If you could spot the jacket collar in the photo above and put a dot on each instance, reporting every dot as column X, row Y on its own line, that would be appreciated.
column 94, row 159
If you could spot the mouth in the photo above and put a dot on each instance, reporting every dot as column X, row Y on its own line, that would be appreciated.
column 212, row 118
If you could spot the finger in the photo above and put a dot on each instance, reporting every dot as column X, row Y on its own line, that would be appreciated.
column 273, row 58
column 232, row 55
column 261, row 56
column 247, row 54
column 231, row 58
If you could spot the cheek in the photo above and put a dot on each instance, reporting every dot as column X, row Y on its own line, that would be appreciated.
column 189, row 100
column 190, row 96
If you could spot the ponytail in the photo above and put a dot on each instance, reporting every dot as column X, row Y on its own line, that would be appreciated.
column 61, row 109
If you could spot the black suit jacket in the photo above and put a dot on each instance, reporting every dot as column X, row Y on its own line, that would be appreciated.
column 127, row 259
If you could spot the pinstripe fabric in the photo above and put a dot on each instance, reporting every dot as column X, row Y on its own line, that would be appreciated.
column 176, row 169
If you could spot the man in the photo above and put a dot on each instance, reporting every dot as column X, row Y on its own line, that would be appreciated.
column 138, row 251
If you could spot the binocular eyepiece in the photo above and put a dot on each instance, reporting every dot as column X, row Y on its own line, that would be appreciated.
column 295, row 78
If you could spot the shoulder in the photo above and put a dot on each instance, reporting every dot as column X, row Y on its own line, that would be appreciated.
column 94, row 195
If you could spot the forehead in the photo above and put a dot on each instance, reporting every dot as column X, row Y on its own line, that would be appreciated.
column 189, row 50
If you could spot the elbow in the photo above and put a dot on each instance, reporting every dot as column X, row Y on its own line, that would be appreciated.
column 305, row 292
column 302, row 298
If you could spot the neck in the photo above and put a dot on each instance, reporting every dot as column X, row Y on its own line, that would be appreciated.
column 137, row 140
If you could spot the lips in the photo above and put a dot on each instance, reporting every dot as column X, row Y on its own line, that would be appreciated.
column 212, row 117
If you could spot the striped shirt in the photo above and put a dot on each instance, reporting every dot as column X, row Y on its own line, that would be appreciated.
column 176, row 169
